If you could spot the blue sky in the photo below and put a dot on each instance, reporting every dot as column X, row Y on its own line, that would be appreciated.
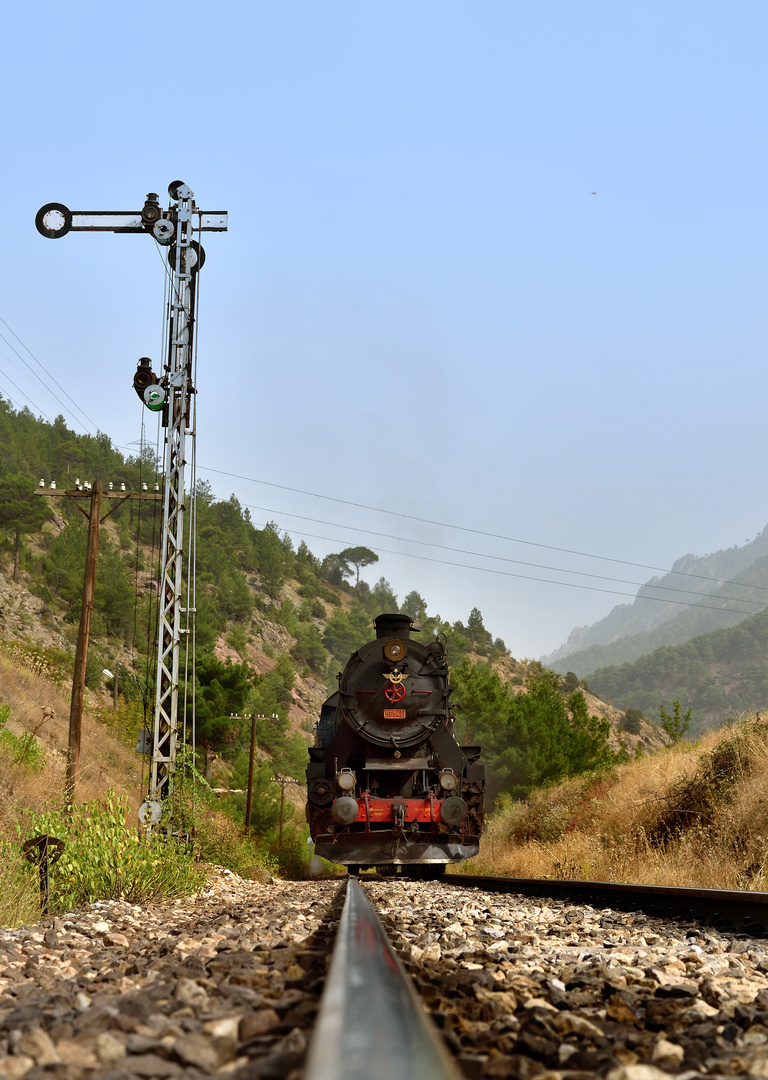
column 420, row 305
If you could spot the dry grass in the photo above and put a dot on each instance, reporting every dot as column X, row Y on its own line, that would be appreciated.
column 104, row 764
column 19, row 889
column 691, row 815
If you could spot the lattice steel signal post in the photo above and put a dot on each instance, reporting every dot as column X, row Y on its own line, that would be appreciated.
column 174, row 228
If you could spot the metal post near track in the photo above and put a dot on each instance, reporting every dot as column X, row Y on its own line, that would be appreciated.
column 249, row 797
column 174, row 228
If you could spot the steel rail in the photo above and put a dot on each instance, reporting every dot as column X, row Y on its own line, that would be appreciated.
column 743, row 911
column 372, row 1025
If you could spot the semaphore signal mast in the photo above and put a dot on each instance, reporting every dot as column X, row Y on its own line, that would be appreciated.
column 171, row 392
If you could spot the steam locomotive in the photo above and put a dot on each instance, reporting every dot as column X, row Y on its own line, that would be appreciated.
column 387, row 783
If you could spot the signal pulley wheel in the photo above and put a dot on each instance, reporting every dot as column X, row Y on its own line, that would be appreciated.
column 195, row 256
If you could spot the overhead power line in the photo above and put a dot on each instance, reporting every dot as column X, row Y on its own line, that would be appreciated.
column 503, row 558
column 29, row 399
column 531, row 577
column 477, row 532
column 93, row 426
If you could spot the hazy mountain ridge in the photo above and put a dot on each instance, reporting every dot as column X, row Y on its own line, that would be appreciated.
column 717, row 611
column 632, row 630
column 718, row 675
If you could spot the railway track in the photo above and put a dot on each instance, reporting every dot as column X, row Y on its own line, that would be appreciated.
column 371, row 1024
column 725, row 909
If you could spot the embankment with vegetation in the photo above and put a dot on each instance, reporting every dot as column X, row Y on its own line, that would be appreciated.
column 693, row 814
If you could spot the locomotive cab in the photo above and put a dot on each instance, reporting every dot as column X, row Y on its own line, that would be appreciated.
column 387, row 782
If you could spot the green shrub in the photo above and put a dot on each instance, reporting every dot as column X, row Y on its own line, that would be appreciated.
column 221, row 841
column 309, row 648
column 632, row 721
column 287, row 616
column 540, row 820
column 22, row 750
column 691, row 801
column 675, row 723
column 237, row 639
column 19, row 889
column 103, row 859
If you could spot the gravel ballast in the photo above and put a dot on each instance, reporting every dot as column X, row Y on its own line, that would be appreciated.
column 560, row 991
column 217, row 985
column 227, row 984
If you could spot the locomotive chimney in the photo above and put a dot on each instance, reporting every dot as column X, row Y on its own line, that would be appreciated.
column 398, row 626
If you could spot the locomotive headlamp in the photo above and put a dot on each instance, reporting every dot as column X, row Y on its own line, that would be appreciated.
column 448, row 779
column 346, row 780
column 395, row 650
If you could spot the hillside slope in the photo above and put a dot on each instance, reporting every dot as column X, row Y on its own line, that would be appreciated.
column 696, row 815
column 274, row 624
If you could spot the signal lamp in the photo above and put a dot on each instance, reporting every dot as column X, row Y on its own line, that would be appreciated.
column 150, row 211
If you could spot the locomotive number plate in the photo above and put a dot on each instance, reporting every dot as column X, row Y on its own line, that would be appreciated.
column 394, row 714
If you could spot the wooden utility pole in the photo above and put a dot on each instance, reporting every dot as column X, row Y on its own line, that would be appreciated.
column 86, row 609
column 81, row 653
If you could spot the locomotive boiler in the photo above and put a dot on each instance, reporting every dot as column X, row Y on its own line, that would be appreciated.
column 388, row 784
